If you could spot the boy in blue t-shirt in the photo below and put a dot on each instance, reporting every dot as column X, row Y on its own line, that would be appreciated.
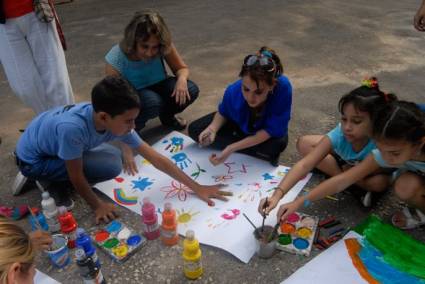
column 70, row 144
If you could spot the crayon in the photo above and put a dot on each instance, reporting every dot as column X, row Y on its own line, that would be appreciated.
column 326, row 221
column 316, row 236
column 330, row 225
column 336, row 231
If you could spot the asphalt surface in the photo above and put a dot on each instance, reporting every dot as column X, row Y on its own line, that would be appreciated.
column 327, row 47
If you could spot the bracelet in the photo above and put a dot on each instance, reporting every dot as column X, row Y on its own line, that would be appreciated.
column 280, row 190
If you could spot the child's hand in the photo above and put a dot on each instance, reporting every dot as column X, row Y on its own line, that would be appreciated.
column 41, row 240
column 288, row 208
column 206, row 137
column 129, row 165
column 216, row 160
column 205, row 192
column 264, row 208
column 105, row 211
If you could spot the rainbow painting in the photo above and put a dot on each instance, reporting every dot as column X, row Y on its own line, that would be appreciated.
column 121, row 198
column 385, row 254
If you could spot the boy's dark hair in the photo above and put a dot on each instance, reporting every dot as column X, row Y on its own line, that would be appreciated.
column 258, row 72
column 114, row 95
column 400, row 120
column 366, row 98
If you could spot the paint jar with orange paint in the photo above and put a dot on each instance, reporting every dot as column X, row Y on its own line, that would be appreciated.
column 169, row 234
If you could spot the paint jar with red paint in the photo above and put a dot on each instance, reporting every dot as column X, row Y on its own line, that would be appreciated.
column 150, row 224
column 169, row 234
column 68, row 225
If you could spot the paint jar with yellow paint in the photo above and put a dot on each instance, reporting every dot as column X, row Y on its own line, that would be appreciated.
column 192, row 255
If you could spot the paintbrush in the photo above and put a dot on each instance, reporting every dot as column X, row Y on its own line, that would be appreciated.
column 37, row 224
column 256, row 232
column 276, row 227
column 264, row 215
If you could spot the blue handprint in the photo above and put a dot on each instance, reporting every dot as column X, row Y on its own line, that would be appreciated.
column 181, row 160
column 175, row 145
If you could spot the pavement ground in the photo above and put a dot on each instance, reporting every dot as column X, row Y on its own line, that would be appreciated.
column 327, row 47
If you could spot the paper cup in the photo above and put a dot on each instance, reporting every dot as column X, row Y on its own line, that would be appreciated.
column 265, row 249
column 59, row 255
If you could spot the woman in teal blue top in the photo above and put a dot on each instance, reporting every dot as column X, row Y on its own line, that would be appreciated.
column 140, row 57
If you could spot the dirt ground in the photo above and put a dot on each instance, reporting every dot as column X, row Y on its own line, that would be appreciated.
column 327, row 47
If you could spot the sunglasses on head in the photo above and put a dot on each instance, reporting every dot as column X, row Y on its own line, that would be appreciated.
column 264, row 61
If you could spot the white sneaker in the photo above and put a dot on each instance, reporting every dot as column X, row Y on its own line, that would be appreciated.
column 367, row 199
column 18, row 184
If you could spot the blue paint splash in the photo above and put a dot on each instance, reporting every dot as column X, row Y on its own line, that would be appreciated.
column 267, row 176
column 141, row 183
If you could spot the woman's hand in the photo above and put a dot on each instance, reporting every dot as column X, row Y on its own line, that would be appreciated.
column 206, row 137
column 129, row 164
column 218, row 159
column 181, row 93
column 264, row 209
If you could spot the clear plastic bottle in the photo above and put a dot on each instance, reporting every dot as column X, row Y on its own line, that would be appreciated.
column 51, row 212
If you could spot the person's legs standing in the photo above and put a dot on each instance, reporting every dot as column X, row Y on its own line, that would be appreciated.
column 18, row 63
column 50, row 60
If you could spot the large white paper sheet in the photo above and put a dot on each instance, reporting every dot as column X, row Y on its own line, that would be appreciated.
column 223, row 225
column 41, row 278
column 333, row 266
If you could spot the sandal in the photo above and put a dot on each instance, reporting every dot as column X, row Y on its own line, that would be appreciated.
column 411, row 221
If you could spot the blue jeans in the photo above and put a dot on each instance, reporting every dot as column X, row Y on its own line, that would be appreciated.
column 156, row 101
column 99, row 164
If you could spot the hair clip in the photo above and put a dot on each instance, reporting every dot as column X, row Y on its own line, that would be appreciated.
column 267, row 53
column 371, row 82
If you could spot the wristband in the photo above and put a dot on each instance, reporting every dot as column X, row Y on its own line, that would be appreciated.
column 306, row 202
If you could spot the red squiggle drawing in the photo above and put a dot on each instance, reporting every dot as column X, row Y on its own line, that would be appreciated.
column 177, row 188
column 222, row 178
column 231, row 165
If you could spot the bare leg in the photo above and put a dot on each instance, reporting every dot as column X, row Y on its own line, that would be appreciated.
column 375, row 183
column 328, row 165
column 409, row 187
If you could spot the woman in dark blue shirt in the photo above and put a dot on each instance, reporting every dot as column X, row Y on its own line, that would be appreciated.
column 254, row 114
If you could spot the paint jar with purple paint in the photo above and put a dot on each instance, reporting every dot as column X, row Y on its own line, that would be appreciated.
column 265, row 247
